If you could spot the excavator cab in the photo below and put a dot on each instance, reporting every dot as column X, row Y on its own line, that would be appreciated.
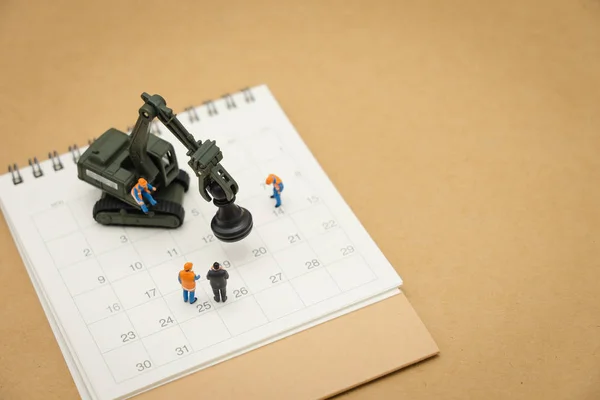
column 108, row 165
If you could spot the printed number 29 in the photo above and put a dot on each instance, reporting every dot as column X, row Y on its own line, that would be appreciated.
column 347, row 250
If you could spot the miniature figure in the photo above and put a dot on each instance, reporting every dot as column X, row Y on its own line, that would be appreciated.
column 141, row 192
column 218, row 281
column 277, row 188
column 187, row 278
column 116, row 161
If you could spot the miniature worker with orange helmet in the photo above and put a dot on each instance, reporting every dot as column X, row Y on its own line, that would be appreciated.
column 277, row 188
column 187, row 278
column 141, row 192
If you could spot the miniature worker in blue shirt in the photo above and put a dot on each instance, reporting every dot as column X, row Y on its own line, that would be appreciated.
column 277, row 188
column 141, row 192
column 187, row 278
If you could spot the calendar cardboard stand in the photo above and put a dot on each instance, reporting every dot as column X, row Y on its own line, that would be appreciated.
column 320, row 362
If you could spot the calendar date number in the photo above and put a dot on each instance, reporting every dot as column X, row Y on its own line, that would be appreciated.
column 313, row 199
column 314, row 263
column 294, row 238
column 164, row 322
column 144, row 365
column 259, row 252
column 208, row 239
column 329, row 224
column 172, row 252
column 129, row 336
column 347, row 250
column 114, row 308
column 241, row 292
column 276, row 277
column 181, row 350
column 57, row 203
column 136, row 266
column 204, row 307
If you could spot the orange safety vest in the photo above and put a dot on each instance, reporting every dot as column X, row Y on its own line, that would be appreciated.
column 188, row 279
column 277, row 181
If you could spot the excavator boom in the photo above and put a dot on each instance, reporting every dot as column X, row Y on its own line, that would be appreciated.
column 205, row 157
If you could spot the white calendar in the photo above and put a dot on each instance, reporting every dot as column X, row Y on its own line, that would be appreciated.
column 112, row 296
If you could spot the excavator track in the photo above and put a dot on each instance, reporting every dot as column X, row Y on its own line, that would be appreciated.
column 165, row 214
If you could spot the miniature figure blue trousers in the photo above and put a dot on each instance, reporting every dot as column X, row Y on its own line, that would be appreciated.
column 192, row 295
column 148, row 197
column 277, row 195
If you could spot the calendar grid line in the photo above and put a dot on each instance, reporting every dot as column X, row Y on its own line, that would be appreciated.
column 163, row 364
column 245, row 285
column 202, row 287
column 224, row 340
column 129, row 317
column 171, row 235
column 76, row 306
column 313, row 250
column 129, row 240
column 140, row 337
column 147, row 269
column 215, row 309
column 282, row 273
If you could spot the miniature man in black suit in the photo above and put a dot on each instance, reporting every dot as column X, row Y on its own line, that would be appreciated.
column 218, row 281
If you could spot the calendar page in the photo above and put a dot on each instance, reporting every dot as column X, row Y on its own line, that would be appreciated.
column 112, row 293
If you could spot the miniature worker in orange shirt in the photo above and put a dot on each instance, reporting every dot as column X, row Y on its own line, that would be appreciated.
column 277, row 188
column 141, row 191
column 188, row 279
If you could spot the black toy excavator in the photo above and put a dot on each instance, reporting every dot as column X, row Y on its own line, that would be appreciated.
column 116, row 161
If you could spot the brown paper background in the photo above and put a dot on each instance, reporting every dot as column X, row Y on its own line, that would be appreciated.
column 464, row 135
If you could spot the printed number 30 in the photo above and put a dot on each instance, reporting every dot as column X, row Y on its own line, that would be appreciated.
column 143, row 365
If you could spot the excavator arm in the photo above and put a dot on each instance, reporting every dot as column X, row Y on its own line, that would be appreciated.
column 205, row 157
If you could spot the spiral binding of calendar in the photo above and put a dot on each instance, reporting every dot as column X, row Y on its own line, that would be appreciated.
column 193, row 116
